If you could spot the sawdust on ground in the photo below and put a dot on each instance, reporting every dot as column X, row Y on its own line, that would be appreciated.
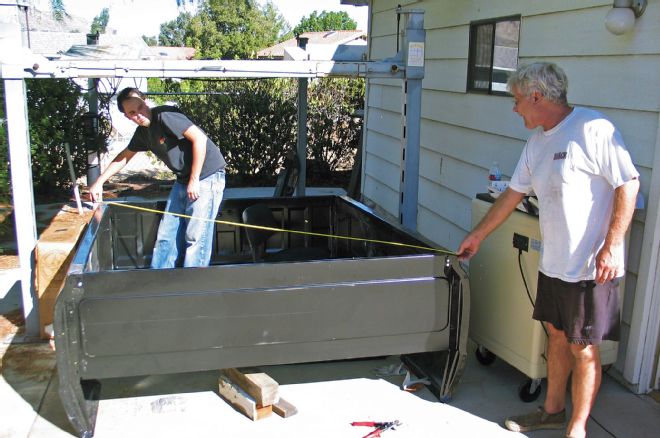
column 31, row 362
column 11, row 323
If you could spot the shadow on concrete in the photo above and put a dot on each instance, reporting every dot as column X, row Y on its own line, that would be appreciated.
column 29, row 370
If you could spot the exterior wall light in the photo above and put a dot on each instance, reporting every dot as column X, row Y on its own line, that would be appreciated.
column 621, row 19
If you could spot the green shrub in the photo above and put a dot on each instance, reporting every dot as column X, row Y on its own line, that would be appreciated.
column 55, row 109
column 6, row 226
column 5, row 188
column 333, row 131
column 254, row 122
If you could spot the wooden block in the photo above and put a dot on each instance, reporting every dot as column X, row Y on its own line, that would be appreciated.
column 284, row 409
column 9, row 262
column 263, row 388
column 53, row 255
column 242, row 401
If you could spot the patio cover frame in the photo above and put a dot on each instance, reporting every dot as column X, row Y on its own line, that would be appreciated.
column 406, row 65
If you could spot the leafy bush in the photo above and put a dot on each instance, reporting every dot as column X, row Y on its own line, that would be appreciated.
column 254, row 122
column 4, row 152
column 333, row 131
column 6, row 225
column 55, row 109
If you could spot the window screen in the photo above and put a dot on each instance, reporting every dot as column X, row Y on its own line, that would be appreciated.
column 493, row 54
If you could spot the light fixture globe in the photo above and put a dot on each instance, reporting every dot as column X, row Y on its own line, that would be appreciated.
column 620, row 20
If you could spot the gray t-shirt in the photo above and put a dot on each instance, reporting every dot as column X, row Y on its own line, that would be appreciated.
column 164, row 137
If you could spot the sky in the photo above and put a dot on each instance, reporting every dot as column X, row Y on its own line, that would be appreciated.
column 143, row 17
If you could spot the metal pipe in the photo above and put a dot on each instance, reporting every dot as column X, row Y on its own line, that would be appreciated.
column 302, row 127
column 413, row 51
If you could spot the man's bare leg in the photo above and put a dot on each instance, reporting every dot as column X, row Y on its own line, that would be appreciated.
column 560, row 364
column 587, row 375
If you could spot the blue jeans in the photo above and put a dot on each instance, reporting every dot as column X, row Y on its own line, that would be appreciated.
column 184, row 239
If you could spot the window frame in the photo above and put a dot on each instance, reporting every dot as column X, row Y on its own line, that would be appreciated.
column 472, row 53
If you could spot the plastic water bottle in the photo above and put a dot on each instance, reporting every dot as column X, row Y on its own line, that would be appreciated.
column 494, row 174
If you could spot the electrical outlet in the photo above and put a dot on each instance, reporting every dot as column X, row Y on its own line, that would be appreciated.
column 520, row 242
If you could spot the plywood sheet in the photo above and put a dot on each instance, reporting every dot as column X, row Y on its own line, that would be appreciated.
column 53, row 254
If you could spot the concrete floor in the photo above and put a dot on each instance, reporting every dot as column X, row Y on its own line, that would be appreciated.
column 328, row 396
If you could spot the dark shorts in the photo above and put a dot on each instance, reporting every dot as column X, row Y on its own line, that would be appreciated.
column 586, row 312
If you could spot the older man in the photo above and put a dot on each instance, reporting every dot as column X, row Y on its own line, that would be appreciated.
column 586, row 184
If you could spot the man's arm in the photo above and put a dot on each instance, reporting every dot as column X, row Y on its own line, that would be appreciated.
column 198, row 140
column 96, row 189
column 498, row 213
column 622, row 212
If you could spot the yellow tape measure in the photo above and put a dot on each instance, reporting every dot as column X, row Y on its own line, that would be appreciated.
column 282, row 230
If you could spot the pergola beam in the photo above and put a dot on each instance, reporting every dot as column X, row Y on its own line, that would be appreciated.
column 71, row 69
column 14, row 75
column 29, row 66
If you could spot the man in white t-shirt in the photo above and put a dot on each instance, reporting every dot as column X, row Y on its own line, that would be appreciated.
column 577, row 165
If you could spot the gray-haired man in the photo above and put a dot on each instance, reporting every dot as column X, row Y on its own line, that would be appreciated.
column 584, row 178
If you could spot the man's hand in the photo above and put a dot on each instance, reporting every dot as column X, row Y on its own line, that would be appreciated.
column 96, row 192
column 468, row 247
column 118, row 163
column 495, row 215
column 193, row 189
column 622, row 212
column 606, row 266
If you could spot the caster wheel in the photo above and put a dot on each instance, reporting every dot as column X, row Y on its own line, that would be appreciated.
column 445, row 399
column 530, row 390
column 484, row 356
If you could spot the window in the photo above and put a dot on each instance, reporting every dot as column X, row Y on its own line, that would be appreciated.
column 493, row 54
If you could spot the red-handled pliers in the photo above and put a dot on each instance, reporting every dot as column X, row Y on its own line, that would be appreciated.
column 381, row 426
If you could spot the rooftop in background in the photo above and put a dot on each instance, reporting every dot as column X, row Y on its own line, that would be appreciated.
column 332, row 37
column 67, row 37
column 110, row 47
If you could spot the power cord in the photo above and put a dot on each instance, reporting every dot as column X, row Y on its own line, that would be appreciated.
column 529, row 295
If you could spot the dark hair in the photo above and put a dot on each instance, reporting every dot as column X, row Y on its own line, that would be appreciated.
column 125, row 94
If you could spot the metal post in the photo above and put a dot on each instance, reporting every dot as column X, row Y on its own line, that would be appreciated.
column 302, row 127
column 93, row 159
column 413, row 49
column 18, row 135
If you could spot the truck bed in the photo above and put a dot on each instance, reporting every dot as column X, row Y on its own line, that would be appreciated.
column 116, row 317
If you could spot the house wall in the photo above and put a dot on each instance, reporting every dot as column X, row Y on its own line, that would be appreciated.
column 463, row 133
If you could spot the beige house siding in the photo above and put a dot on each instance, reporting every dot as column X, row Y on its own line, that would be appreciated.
column 463, row 133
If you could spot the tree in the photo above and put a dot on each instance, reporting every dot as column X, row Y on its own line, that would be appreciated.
column 333, row 130
column 100, row 21
column 151, row 41
column 253, row 122
column 5, row 195
column 58, row 9
column 272, row 13
column 173, row 33
column 55, row 109
column 325, row 21
column 225, row 29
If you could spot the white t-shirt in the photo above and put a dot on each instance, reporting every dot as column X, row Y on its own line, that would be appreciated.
column 574, row 168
